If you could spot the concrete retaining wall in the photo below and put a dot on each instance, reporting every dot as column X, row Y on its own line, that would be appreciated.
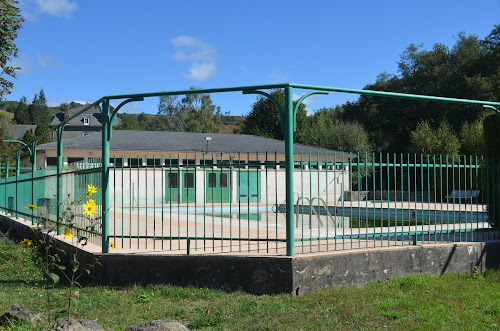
column 297, row 275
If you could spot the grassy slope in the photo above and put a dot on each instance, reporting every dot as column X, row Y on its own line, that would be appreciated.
column 417, row 302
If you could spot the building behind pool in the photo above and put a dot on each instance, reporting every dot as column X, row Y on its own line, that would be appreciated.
column 160, row 167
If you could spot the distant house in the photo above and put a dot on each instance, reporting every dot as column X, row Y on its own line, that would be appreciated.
column 87, row 123
column 18, row 131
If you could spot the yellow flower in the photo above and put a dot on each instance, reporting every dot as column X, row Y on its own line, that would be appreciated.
column 91, row 190
column 26, row 243
column 67, row 234
column 28, row 206
column 112, row 245
column 90, row 208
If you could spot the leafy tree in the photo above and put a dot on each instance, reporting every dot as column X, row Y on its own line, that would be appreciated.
column 194, row 113
column 41, row 129
column 430, row 141
column 5, row 133
column 28, row 136
column 38, row 109
column 21, row 115
column 128, row 122
column 468, row 69
column 173, row 117
column 264, row 119
column 10, row 22
column 472, row 138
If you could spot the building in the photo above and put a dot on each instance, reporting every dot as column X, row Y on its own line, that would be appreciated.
column 87, row 123
column 157, row 167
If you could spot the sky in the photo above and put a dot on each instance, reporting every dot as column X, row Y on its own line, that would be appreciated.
column 83, row 50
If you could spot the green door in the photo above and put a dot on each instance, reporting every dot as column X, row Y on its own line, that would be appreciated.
column 188, row 186
column 172, row 192
column 217, row 186
column 248, row 186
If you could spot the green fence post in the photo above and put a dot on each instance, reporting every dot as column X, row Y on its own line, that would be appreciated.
column 33, row 169
column 289, row 122
column 59, row 168
column 6, row 176
column 105, row 175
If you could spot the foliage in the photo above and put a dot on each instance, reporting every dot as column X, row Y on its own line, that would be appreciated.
column 41, row 129
column 265, row 120
column 28, row 136
column 469, row 69
column 50, row 253
column 194, row 113
column 492, row 137
column 472, row 138
column 37, row 112
column 429, row 141
column 10, row 23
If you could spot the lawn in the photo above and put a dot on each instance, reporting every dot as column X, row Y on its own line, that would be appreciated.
column 454, row 301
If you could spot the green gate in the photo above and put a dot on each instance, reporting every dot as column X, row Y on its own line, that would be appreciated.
column 172, row 187
column 248, row 186
column 217, row 186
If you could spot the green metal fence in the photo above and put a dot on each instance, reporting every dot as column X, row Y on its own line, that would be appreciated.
column 268, row 203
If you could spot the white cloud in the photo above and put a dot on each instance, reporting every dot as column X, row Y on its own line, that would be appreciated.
column 200, row 55
column 277, row 78
column 31, row 9
column 48, row 62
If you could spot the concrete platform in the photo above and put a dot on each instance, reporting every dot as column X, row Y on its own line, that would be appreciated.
column 262, row 268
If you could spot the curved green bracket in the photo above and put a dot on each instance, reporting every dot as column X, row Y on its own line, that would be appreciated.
column 274, row 100
column 491, row 107
column 112, row 118
column 22, row 143
column 299, row 102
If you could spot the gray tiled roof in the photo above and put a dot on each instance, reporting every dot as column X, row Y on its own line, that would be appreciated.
column 18, row 131
column 165, row 141
column 93, row 114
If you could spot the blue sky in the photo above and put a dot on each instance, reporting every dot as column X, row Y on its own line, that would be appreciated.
column 82, row 50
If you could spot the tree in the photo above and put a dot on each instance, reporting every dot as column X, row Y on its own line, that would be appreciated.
column 429, row 141
column 28, row 136
column 21, row 115
column 41, row 129
column 10, row 23
column 194, row 113
column 38, row 109
column 264, row 119
column 472, row 138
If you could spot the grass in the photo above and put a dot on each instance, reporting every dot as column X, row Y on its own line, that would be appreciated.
column 453, row 301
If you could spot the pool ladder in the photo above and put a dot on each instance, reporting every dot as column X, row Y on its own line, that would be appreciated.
column 318, row 215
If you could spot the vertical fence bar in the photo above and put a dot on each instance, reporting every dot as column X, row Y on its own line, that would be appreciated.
column 289, row 121
column 105, row 174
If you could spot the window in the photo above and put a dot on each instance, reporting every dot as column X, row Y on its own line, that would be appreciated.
column 153, row 162
column 134, row 162
column 86, row 121
column 223, row 180
column 212, row 180
column 117, row 162
column 171, row 163
column 190, row 162
column 74, row 159
column 189, row 180
column 172, row 180
column 51, row 161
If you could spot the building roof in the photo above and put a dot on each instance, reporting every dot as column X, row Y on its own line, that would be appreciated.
column 18, row 131
column 93, row 114
column 185, row 142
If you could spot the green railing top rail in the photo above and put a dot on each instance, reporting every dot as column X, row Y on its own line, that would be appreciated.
column 246, row 89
